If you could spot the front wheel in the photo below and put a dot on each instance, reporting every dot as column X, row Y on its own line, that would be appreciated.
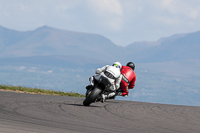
column 91, row 96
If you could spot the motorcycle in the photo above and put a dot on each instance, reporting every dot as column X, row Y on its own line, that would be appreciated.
column 94, row 94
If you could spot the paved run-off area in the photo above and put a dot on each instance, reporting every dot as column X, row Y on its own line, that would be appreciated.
column 30, row 113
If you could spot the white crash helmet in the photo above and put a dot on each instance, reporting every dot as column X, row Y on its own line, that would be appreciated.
column 117, row 64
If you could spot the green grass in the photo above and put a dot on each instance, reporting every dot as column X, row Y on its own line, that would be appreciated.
column 38, row 91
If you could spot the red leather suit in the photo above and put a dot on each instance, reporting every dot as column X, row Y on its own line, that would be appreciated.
column 130, row 77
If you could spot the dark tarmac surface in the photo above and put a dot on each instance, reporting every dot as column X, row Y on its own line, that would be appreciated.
column 29, row 113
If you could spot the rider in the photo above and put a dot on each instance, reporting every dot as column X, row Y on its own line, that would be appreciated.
column 113, row 74
column 128, row 79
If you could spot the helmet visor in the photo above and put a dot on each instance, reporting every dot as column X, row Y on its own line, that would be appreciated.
column 116, row 65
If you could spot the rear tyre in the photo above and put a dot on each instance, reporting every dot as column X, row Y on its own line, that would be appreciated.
column 91, row 96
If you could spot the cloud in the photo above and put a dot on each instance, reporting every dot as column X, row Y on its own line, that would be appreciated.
column 179, row 7
column 24, row 14
column 168, row 20
column 105, row 7
column 108, row 12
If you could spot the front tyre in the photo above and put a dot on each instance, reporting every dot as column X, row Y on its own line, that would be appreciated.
column 91, row 96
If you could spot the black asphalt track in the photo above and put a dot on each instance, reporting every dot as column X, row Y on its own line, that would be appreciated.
column 29, row 113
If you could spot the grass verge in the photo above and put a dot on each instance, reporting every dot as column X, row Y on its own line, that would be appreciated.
column 21, row 89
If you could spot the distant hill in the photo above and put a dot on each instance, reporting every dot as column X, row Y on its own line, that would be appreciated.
column 48, row 42
column 173, row 48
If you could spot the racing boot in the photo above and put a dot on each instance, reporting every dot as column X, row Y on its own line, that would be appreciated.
column 103, row 98
column 112, row 95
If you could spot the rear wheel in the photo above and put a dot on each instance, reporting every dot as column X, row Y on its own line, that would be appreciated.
column 91, row 96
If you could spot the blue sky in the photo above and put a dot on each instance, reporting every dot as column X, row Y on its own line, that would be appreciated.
column 122, row 21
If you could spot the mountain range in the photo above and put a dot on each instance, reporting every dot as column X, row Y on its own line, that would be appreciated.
column 72, row 46
column 169, row 65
